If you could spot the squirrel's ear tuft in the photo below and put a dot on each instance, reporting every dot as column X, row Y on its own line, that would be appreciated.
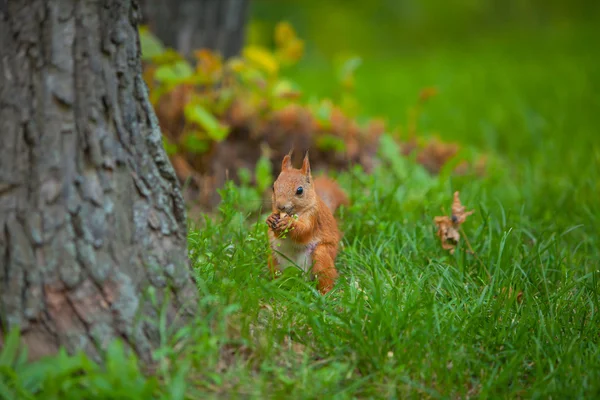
column 306, row 167
column 287, row 162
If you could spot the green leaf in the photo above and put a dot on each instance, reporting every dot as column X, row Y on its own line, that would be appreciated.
column 151, row 46
column 177, row 385
column 263, row 173
column 286, row 88
column 115, row 358
column 262, row 58
column 390, row 152
column 194, row 112
column 22, row 358
column 245, row 176
column 102, row 383
column 224, row 100
column 194, row 143
column 169, row 56
column 347, row 70
column 5, row 392
column 11, row 347
column 350, row 66
column 33, row 376
column 328, row 142
column 322, row 113
column 174, row 73
column 170, row 147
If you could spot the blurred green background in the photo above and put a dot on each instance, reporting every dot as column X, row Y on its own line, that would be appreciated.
column 499, row 66
column 515, row 78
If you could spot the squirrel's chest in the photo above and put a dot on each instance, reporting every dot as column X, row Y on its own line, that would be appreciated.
column 287, row 253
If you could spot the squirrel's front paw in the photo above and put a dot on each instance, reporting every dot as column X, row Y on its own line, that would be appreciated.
column 273, row 220
column 283, row 225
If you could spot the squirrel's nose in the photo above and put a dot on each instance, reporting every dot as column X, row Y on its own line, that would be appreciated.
column 286, row 208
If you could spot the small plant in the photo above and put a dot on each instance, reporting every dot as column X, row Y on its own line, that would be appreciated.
column 72, row 377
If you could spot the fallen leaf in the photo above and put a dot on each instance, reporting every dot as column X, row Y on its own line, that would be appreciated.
column 262, row 58
column 209, row 64
column 519, row 296
column 447, row 233
column 459, row 212
column 427, row 93
column 182, row 168
column 448, row 226
column 436, row 154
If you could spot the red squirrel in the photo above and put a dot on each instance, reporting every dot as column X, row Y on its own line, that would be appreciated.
column 302, row 228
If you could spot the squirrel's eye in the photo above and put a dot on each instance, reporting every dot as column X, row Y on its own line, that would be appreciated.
column 273, row 187
column 299, row 190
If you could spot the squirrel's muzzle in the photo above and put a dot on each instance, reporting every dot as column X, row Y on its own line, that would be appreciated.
column 286, row 208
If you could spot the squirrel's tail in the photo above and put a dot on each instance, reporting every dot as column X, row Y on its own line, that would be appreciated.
column 331, row 193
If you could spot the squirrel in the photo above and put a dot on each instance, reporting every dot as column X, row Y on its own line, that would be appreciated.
column 302, row 228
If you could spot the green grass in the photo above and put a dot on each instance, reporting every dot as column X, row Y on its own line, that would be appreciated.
column 406, row 318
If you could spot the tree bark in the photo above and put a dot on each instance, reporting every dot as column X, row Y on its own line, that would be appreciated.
column 91, row 213
column 189, row 25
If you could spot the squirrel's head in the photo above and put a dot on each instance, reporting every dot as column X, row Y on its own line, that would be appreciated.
column 293, row 191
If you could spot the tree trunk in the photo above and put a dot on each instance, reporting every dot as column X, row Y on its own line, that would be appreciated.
column 91, row 213
column 189, row 25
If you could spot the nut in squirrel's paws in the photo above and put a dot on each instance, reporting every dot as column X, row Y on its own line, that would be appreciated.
column 279, row 222
column 274, row 220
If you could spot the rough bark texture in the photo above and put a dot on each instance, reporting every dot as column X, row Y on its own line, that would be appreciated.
column 91, row 213
column 188, row 25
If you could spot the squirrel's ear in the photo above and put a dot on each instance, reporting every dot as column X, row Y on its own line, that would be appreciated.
column 306, row 167
column 286, row 163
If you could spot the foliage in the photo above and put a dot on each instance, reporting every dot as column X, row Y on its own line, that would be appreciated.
column 216, row 111
column 72, row 377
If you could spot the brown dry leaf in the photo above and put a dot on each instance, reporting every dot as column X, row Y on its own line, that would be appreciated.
column 447, row 233
column 436, row 154
column 209, row 63
column 481, row 165
column 409, row 146
column 462, row 168
column 170, row 110
column 448, row 226
column 376, row 128
column 148, row 76
column 427, row 93
column 182, row 168
column 520, row 297
column 459, row 211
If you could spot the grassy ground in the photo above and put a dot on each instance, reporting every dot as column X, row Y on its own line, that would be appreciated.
column 519, row 318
